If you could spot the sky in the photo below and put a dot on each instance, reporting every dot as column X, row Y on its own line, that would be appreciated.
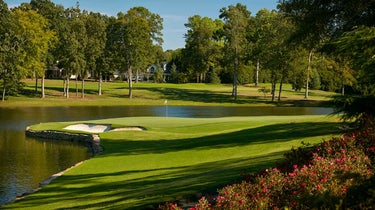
column 175, row 13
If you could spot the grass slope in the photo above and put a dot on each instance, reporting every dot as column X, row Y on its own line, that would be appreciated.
column 116, row 93
column 174, row 158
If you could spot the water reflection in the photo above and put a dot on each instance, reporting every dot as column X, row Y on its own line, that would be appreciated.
column 25, row 162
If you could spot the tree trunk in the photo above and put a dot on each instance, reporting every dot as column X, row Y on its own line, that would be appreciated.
column 234, row 91
column 4, row 89
column 77, row 86
column 43, row 92
column 36, row 84
column 67, row 87
column 257, row 75
column 83, row 88
column 280, row 89
column 64, row 87
column 130, row 83
column 136, row 76
column 100, row 84
column 308, row 75
column 273, row 91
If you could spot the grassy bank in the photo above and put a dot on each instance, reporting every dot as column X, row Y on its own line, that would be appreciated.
column 116, row 93
column 174, row 158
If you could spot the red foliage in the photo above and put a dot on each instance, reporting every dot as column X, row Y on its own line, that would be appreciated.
column 311, row 177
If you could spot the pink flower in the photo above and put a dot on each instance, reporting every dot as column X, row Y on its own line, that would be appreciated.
column 219, row 198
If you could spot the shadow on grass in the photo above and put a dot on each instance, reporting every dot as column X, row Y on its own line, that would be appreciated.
column 259, row 135
column 145, row 189
column 206, row 96
column 169, row 184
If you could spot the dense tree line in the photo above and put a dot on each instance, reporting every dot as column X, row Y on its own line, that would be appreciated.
column 310, row 44
column 342, row 32
column 268, row 47
column 39, row 35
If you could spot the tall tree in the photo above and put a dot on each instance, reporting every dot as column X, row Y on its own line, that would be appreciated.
column 135, row 35
column 236, row 21
column 359, row 45
column 200, row 43
column 58, row 18
column 10, row 51
column 96, row 38
column 270, row 47
column 74, row 40
column 346, row 21
column 36, row 42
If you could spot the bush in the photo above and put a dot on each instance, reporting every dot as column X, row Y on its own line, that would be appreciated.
column 332, row 174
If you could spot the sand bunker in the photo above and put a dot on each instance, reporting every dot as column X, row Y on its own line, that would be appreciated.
column 130, row 128
column 100, row 128
column 90, row 128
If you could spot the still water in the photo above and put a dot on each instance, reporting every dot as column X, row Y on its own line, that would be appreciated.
column 25, row 162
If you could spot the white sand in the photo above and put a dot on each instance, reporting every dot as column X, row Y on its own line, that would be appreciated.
column 129, row 129
column 91, row 128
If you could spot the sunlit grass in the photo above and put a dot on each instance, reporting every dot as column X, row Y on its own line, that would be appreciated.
column 192, row 94
column 174, row 158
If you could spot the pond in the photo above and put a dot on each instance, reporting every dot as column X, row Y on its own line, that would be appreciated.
column 25, row 162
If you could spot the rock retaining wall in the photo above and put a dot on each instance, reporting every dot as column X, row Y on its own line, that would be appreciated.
column 90, row 140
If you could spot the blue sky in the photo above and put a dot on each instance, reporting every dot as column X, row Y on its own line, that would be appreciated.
column 175, row 13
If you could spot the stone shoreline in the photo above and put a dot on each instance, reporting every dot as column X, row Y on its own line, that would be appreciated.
column 92, row 141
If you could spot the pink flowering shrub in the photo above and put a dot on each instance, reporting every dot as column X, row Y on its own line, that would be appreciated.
column 169, row 206
column 312, row 177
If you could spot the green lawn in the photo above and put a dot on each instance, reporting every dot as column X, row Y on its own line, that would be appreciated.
column 174, row 158
column 116, row 93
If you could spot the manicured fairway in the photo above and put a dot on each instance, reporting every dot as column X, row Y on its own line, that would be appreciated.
column 174, row 158
column 192, row 94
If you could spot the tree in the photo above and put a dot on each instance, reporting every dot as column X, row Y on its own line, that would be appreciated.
column 349, row 27
column 36, row 42
column 271, row 48
column 10, row 50
column 57, row 22
column 73, row 39
column 236, row 21
column 200, row 44
column 134, row 35
column 213, row 77
column 359, row 45
column 258, row 35
column 96, row 38
column 339, row 73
